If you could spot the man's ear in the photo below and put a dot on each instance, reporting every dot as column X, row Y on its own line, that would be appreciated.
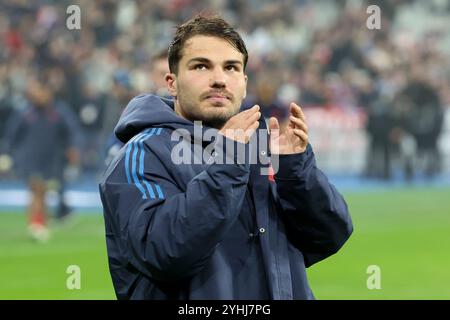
column 171, row 80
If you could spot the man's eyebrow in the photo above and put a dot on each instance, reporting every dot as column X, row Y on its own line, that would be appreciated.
column 205, row 60
column 233, row 62
column 199, row 59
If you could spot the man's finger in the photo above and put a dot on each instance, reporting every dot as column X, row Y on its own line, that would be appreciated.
column 297, row 111
column 252, row 128
column 299, row 123
column 274, row 128
column 301, row 134
column 243, row 135
column 252, row 119
column 249, row 112
column 273, row 124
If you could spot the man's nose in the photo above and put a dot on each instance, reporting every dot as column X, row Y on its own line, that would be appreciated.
column 217, row 79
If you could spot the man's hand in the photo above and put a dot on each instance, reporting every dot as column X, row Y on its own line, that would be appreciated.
column 241, row 126
column 294, row 139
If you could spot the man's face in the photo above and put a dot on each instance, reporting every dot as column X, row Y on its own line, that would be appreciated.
column 39, row 95
column 210, row 84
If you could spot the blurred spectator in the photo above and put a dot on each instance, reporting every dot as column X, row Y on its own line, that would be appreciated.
column 116, row 102
column 312, row 87
column 123, row 92
column 424, row 123
column 266, row 97
column 159, row 68
column 41, row 138
column 378, row 126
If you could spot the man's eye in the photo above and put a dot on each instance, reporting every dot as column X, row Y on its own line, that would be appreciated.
column 231, row 68
column 200, row 67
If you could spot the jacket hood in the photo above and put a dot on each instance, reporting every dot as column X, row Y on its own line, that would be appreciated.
column 148, row 110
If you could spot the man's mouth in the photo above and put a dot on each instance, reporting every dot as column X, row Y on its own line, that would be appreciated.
column 218, row 101
column 218, row 97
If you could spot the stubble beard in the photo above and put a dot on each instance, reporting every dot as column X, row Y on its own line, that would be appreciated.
column 194, row 112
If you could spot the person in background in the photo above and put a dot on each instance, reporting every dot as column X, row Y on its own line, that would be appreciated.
column 425, row 123
column 41, row 139
column 123, row 93
column 158, row 69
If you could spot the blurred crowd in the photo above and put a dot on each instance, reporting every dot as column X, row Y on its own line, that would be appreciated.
column 319, row 53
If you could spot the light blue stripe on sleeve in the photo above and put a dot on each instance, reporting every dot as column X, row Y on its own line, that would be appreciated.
column 127, row 156
column 136, row 174
column 158, row 189
column 141, row 163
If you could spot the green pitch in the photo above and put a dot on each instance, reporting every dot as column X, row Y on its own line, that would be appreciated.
column 406, row 233
column 30, row 270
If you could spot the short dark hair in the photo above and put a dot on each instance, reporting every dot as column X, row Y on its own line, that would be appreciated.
column 203, row 25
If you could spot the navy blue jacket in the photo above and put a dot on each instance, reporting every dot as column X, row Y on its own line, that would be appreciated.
column 212, row 231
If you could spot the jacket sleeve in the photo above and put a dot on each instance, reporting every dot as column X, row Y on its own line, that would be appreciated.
column 315, row 214
column 169, row 231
